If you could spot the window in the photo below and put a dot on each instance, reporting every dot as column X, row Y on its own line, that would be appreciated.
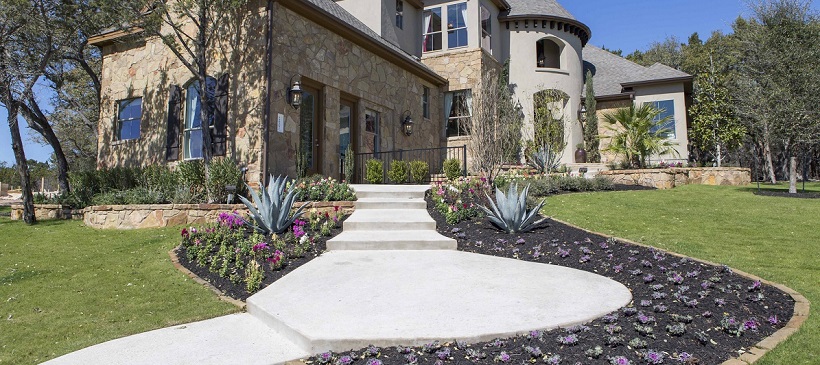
column 667, row 110
column 193, row 117
column 548, row 54
column 400, row 14
column 486, row 30
column 371, row 131
column 129, row 115
column 457, row 25
column 432, row 30
column 457, row 106
column 425, row 103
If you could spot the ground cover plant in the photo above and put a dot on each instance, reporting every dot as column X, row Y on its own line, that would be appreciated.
column 239, row 260
column 64, row 287
column 320, row 188
column 683, row 311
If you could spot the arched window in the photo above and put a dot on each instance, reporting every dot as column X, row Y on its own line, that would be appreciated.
column 548, row 53
column 193, row 117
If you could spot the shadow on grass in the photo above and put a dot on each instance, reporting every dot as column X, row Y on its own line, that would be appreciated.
column 20, row 275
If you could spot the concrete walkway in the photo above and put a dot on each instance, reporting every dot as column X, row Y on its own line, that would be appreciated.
column 388, row 279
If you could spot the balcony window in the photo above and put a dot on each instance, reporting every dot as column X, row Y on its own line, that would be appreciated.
column 548, row 54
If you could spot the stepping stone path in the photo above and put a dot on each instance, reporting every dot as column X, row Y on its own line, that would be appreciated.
column 388, row 279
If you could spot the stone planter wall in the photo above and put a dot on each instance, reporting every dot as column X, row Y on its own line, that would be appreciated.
column 47, row 211
column 153, row 215
column 672, row 177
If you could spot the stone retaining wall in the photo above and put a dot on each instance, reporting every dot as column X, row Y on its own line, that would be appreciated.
column 672, row 177
column 152, row 215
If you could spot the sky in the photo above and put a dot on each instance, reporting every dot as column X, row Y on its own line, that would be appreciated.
column 628, row 25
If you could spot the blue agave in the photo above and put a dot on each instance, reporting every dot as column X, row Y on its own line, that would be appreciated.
column 509, row 211
column 271, row 212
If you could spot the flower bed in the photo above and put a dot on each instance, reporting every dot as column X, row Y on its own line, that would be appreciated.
column 683, row 311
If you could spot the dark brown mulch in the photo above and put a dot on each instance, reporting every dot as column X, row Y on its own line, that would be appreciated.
column 238, row 291
column 786, row 194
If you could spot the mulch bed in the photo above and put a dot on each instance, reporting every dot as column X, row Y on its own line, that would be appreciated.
column 683, row 311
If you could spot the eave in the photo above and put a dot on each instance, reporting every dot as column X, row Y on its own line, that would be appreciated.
column 670, row 80
column 111, row 36
column 568, row 25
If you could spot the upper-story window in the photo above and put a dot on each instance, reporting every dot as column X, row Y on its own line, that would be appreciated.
column 457, row 25
column 486, row 29
column 432, row 30
column 129, row 116
column 193, row 117
column 548, row 53
column 665, row 120
column 400, row 14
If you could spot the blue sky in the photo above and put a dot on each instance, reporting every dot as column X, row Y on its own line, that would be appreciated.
column 621, row 24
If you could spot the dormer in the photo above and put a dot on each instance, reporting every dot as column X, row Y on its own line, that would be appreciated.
column 397, row 21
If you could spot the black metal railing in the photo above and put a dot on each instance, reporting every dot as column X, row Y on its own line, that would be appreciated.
column 434, row 157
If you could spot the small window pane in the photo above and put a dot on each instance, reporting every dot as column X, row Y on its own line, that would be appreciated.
column 456, row 25
column 129, row 115
column 667, row 109
column 432, row 30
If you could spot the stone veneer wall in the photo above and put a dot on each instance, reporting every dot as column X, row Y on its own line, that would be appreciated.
column 603, row 108
column 153, row 215
column 670, row 178
column 148, row 68
column 342, row 70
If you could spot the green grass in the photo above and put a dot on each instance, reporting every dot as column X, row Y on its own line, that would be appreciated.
column 775, row 238
column 811, row 187
column 64, row 287
column 5, row 209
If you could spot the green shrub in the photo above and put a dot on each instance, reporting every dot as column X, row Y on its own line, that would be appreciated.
column 542, row 186
column 191, row 174
column 602, row 183
column 40, row 198
column 375, row 171
column 419, row 171
column 452, row 168
column 349, row 167
column 224, row 172
column 398, row 171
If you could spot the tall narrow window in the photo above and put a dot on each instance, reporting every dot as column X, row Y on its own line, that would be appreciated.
column 425, row 103
column 457, row 106
column 665, row 121
column 486, row 30
column 400, row 14
column 548, row 54
column 371, row 131
column 457, row 25
column 129, row 116
column 193, row 117
column 432, row 30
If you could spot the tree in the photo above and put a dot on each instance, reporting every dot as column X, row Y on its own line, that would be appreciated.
column 777, row 85
column 715, row 126
column 495, row 125
column 633, row 135
column 590, row 121
column 667, row 52
column 190, row 29
column 549, row 123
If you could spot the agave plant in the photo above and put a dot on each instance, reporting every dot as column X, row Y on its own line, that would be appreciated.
column 545, row 160
column 509, row 211
column 271, row 212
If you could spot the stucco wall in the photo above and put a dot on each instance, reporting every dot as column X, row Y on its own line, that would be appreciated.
column 529, row 79
column 380, row 16
column 674, row 92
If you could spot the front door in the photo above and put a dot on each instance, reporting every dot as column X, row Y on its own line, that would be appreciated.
column 310, row 128
column 347, row 116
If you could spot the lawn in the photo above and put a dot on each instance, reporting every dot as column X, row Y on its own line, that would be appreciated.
column 774, row 238
column 64, row 287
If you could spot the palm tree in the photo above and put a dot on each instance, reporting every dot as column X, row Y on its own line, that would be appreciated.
column 633, row 136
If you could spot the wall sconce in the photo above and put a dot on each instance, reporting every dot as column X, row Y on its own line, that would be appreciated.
column 407, row 123
column 582, row 113
column 295, row 92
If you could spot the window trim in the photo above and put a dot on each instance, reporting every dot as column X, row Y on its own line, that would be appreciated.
column 118, row 121
column 488, row 31
column 459, row 119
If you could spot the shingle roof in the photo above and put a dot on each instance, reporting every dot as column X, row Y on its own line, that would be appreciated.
column 538, row 7
column 611, row 72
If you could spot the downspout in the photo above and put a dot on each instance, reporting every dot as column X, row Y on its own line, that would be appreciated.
column 268, row 88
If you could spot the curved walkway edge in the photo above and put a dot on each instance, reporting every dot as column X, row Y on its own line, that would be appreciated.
column 800, row 315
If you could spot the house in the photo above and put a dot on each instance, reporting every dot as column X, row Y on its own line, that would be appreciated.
column 365, row 68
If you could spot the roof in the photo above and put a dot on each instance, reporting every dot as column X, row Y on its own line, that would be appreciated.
column 538, row 7
column 612, row 73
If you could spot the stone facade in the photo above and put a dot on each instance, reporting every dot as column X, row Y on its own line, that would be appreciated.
column 603, row 108
column 670, row 178
column 342, row 70
column 48, row 211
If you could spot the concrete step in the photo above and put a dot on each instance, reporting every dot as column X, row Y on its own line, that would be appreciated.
column 391, row 240
column 389, row 220
column 390, row 203
column 390, row 191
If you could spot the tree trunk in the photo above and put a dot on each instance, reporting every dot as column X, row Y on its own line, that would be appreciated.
column 22, row 165
column 37, row 121
column 206, row 109
column 793, row 175
column 767, row 154
column 719, row 157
